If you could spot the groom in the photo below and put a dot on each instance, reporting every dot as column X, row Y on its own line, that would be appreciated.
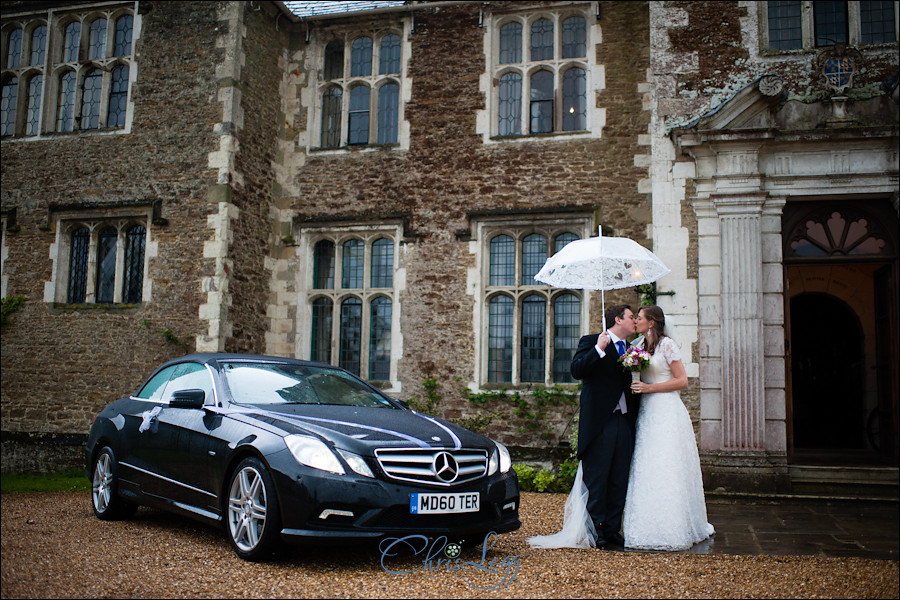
column 606, row 422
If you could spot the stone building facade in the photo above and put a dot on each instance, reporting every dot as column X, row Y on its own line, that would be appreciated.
column 231, row 185
column 775, row 201
column 372, row 189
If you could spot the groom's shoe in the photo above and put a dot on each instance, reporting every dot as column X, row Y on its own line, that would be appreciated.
column 600, row 543
column 615, row 540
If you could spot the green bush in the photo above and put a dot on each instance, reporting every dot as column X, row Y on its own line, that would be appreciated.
column 541, row 480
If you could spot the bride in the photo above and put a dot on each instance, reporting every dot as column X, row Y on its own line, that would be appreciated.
column 665, row 508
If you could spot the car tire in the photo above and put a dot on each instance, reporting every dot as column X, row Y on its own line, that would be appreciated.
column 105, row 499
column 252, row 516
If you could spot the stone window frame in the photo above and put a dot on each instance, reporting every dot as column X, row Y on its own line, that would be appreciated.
column 486, row 228
column 318, row 86
column 807, row 23
column 54, row 68
column 308, row 237
column 488, row 119
column 65, row 222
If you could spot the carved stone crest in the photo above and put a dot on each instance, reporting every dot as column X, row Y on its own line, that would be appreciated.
column 838, row 64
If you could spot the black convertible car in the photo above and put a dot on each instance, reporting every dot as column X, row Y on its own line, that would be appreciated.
column 282, row 448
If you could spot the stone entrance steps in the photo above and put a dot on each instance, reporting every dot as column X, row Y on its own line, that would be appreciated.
column 845, row 482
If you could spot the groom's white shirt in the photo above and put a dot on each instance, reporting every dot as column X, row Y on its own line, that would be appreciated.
column 614, row 339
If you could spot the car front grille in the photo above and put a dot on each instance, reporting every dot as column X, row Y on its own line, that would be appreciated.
column 433, row 466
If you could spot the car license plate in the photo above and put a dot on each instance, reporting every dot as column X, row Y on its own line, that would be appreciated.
column 433, row 504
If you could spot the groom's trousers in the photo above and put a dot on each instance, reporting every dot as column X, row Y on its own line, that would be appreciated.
column 605, row 465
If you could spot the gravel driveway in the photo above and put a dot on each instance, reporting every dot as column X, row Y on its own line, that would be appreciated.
column 53, row 547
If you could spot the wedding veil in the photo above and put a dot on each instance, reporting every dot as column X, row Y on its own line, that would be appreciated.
column 578, row 528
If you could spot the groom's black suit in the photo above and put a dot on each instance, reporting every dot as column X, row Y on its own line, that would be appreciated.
column 605, row 435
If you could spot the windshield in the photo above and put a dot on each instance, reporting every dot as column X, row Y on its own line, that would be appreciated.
column 274, row 383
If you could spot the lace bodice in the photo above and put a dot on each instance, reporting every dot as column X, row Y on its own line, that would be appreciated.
column 659, row 371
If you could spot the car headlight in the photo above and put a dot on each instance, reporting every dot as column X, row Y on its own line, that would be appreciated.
column 357, row 463
column 313, row 452
column 500, row 460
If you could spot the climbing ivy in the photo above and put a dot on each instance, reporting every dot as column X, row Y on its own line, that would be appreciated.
column 9, row 305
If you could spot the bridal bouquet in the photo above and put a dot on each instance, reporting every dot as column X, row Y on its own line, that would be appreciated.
column 635, row 360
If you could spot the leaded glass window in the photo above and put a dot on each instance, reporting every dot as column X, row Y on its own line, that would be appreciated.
column 510, row 113
column 90, row 99
column 118, row 97
column 358, row 124
column 500, row 338
column 876, row 22
column 562, row 239
column 352, row 264
column 502, row 260
column 534, row 310
column 72, row 41
column 124, row 28
column 830, row 23
column 388, row 113
column 555, row 68
column 14, row 49
column 382, row 263
column 532, row 329
column 33, row 115
column 97, row 39
column 534, row 255
column 334, row 60
column 389, row 59
column 380, row 339
column 785, row 25
column 566, row 333
column 331, row 118
column 8, row 107
column 106, row 265
column 133, row 273
column 323, row 265
column 373, row 109
column 66, row 104
column 88, row 91
column 510, row 43
column 361, row 57
column 351, row 335
column 574, row 100
column 542, row 40
column 542, row 102
column 351, row 325
column 321, row 330
column 78, row 265
column 38, row 45
column 574, row 38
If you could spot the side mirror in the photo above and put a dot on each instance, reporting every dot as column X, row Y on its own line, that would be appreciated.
column 188, row 399
column 403, row 403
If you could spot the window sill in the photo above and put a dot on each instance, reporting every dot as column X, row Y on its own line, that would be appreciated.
column 59, row 135
column 540, row 136
column 57, row 307
column 350, row 149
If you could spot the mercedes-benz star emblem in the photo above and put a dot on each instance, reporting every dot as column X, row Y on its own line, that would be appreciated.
column 445, row 467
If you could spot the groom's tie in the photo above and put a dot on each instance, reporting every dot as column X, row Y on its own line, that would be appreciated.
column 621, row 406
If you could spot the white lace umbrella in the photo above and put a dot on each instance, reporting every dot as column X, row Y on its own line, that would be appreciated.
column 601, row 263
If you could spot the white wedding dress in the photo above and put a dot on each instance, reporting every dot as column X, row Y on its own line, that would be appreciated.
column 665, row 508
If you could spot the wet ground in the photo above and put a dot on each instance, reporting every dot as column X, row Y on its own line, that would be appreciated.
column 805, row 527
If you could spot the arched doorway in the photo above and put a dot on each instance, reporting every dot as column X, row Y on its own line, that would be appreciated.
column 841, row 320
column 827, row 374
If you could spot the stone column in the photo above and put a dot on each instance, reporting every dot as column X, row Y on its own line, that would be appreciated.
column 743, row 356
